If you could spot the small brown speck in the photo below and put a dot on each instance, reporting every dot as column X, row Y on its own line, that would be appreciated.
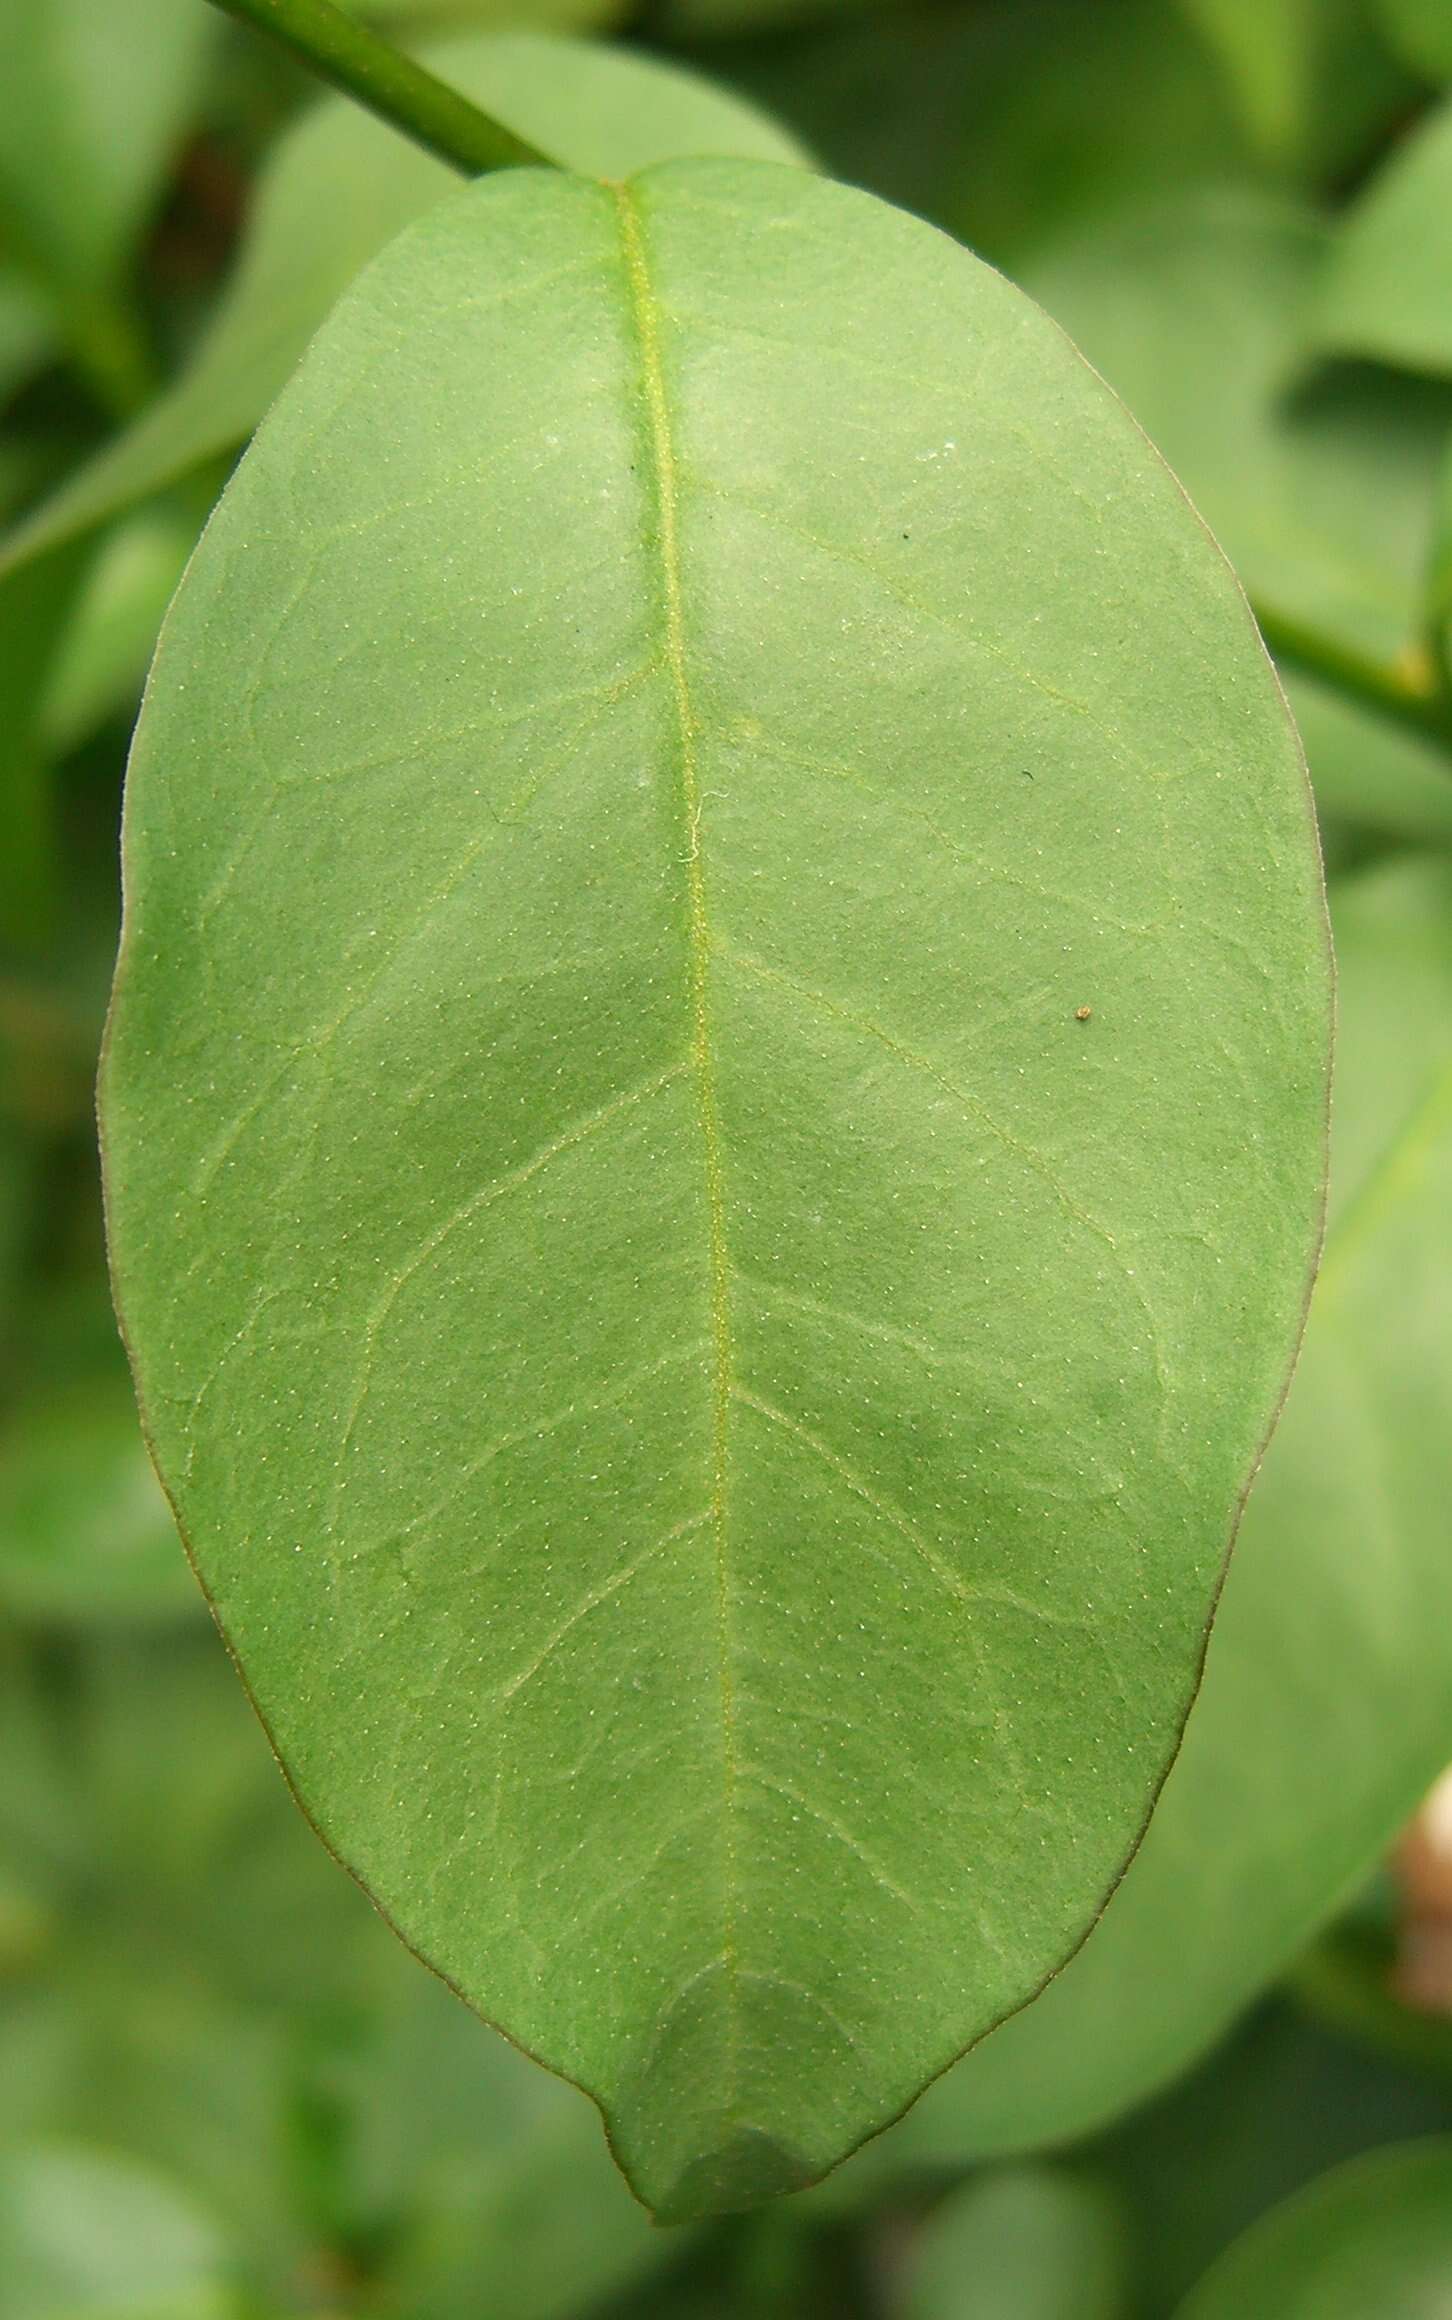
column 1082, row 1014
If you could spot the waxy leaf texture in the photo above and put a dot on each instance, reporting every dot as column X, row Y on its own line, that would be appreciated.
column 715, row 1118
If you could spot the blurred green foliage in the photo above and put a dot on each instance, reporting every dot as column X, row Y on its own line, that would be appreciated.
column 226, row 2093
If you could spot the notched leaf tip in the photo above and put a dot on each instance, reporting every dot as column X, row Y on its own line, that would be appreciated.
column 747, row 2167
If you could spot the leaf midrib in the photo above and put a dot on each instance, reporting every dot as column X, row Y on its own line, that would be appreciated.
column 660, row 467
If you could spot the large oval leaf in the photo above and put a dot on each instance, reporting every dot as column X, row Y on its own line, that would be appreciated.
column 715, row 1117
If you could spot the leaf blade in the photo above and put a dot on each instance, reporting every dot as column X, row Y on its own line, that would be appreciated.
column 684, row 678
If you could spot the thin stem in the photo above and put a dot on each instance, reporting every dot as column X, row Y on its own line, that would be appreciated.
column 389, row 83
column 1408, row 692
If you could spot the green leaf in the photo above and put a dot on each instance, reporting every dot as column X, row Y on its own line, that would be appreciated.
column 93, row 99
column 35, row 604
column 101, row 659
column 187, row 1929
column 339, row 186
column 638, row 1278
column 512, row 2205
column 1385, row 289
column 1374, row 2236
column 1421, row 33
column 1268, row 51
column 1271, row 2108
column 89, row 2233
column 84, row 1529
column 18, row 1171
column 1295, row 68
column 1323, row 1716
column 200, row 1949
column 1197, row 311
column 1023, row 2243
column 26, row 335
column 990, row 120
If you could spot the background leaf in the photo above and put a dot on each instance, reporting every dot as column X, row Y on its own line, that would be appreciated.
column 1293, row 65
column 1421, row 32
column 710, row 19
column 101, row 660
column 1385, row 290
column 990, row 119
column 1189, row 2176
column 1375, row 2236
column 35, row 603
column 26, row 335
column 93, row 101
column 84, row 1529
column 87, row 2233
column 1023, row 2243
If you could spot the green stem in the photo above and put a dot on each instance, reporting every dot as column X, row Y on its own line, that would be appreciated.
column 1410, row 693
column 389, row 83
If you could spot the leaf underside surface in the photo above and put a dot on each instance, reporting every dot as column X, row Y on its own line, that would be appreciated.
column 709, row 1396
